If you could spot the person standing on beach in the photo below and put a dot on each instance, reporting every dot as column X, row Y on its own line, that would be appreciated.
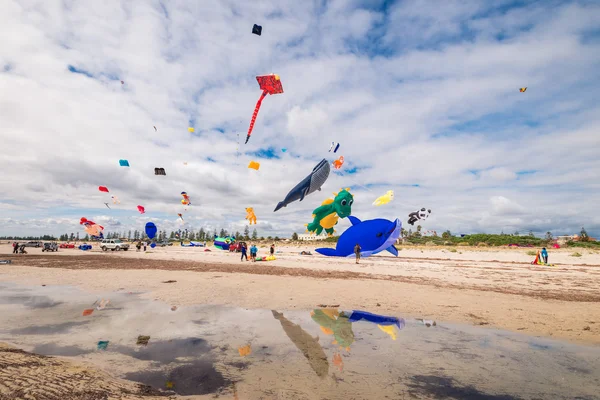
column 15, row 247
column 138, row 246
column 544, row 255
column 272, row 250
column 357, row 252
column 253, row 252
column 244, row 254
column 145, row 244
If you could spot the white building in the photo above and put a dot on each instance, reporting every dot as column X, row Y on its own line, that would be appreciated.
column 311, row 237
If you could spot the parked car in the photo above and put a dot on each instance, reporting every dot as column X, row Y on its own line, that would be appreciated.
column 33, row 244
column 114, row 244
column 66, row 246
column 164, row 244
column 50, row 247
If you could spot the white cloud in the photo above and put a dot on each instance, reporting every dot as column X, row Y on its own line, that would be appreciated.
column 421, row 95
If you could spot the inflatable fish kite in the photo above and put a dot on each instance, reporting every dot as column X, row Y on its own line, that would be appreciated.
column 386, row 198
column 270, row 84
column 337, row 164
column 124, row 163
column 311, row 183
column 151, row 230
column 523, row 89
column 103, row 189
column 334, row 146
column 257, row 29
column 254, row 165
column 373, row 236
column 141, row 209
column 421, row 214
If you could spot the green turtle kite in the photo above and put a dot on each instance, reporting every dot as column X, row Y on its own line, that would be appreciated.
column 326, row 216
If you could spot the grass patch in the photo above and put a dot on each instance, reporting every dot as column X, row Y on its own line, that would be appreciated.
column 531, row 253
column 576, row 254
column 453, row 250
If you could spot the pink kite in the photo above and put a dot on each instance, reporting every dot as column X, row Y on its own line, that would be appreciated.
column 270, row 84
column 103, row 189
column 141, row 209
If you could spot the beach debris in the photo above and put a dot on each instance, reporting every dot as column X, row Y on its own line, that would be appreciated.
column 174, row 308
column 103, row 189
column 159, row 171
column 91, row 228
column 305, row 253
column 373, row 236
column 8, row 262
column 308, row 185
column 270, row 84
column 254, row 165
column 257, row 29
column 334, row 146
column 386, row 198
column 102, row 305
column 150, row 230
column 207, row 250
column 250, row 216
column 169, row 281
column 427, row 322
column 328, row 306
column 326, row 216
column 245, row 350
column 143, row 340
column 587, row 328
column 415, row 216
column 87, row 311
column 141, row 209
column 103, row 344
column 124, row 163
column 337, row 164
column 523, row 89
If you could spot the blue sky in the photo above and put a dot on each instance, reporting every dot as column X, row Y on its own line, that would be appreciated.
column 423, row 99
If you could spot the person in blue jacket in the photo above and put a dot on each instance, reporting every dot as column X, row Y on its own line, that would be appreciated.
column 253, row 252
column 544, row 255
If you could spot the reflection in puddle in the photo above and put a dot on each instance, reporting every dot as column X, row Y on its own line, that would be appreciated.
column 321, row 353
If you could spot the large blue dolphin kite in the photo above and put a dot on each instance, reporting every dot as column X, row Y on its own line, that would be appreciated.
column 373, row 236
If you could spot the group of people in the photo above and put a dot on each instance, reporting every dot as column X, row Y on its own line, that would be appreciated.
column 253, row 251
column 18, row 248
column 139, row 245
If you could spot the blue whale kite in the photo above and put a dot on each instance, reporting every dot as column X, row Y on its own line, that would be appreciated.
column 373, row 236
column 311, row 183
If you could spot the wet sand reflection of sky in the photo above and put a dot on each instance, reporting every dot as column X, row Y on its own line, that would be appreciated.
column 330, row 353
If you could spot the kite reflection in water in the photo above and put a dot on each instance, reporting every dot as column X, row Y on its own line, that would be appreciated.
column 339, row 324
column 308, row 345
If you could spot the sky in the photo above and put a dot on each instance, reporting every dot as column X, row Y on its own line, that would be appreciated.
column 422, row 96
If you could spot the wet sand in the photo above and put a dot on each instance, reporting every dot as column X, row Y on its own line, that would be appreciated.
column 485, row 287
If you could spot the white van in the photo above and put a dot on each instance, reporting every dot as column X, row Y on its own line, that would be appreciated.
column 114, row 244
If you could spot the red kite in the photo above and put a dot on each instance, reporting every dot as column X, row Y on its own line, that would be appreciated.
column 270, row 84
column 103, row 189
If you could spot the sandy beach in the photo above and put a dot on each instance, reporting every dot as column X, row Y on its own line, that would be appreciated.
column 487, row 287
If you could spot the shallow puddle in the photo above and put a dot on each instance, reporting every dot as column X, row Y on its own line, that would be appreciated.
column 278, row 354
